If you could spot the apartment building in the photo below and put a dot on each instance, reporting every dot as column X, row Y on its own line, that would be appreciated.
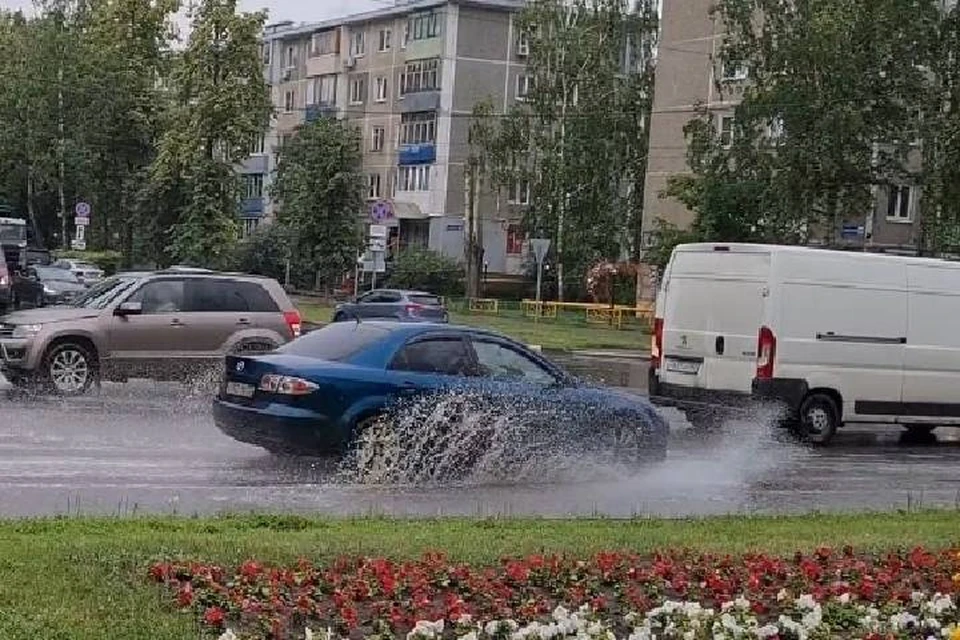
column 408, row 76
column 689, row 74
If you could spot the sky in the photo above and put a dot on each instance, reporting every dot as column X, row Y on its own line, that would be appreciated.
column 296, row 10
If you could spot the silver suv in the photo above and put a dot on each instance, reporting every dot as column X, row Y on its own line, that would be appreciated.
column 163, row 325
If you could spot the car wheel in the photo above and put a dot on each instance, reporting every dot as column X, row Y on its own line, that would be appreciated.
column 69, row 369
column 375, row 450
column 339, row 317
column 38, row 301
column 15, row 302
column 819, row 419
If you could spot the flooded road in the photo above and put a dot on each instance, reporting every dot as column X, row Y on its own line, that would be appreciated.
column 143, row 447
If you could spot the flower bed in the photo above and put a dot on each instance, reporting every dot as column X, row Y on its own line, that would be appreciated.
column 826, row 594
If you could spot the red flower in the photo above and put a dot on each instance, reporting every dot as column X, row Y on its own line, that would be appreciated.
column 214, row 617
column 185, row 595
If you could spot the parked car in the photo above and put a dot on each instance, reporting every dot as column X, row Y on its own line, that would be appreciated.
column 397, row 304
column 318, row 394
column 56, row 286
column 6, row 284
column 833, row 337
column 161, row 325
column 86, row 272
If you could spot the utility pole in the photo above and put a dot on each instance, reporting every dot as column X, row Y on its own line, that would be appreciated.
column 61, row 169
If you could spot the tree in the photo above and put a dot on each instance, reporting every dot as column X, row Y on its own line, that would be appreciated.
column 829, row 115
column 222, row 106
column 319, row 190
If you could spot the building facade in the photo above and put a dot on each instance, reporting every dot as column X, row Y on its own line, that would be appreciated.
column 408, row 76
column 688, row 74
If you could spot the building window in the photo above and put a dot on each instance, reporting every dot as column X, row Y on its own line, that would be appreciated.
column 419, row 127
column 524, row 86
column 324, row 43
column 373, row 186
column 899, row 203
column 253, row 185
column 413, row 178
column 420, row 75
column 732, row 71
column 378, row 136
column 519, row 192
column 386, row 35
column 515, row 239
column 725, row 129
column 250, row 226
column 356, row 91
column 381, row 89
column 523, row 44
column 289, row 100
column 358, row 45
column 290, row 59
column 265, row 52
column 322, row 90
column 424, row 25
column 775, row 129
column 256, row 148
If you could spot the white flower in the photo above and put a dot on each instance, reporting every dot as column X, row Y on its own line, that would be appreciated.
column 465, row 618
column 469, row 636
column 228, row 635
column 903, row 620
column 806, row 601
column 768, row 631
column 844, row 598
column 560, row 613
column 308, row 634
column 782, row 595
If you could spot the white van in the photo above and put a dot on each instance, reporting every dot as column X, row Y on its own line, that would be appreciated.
column 837, row 337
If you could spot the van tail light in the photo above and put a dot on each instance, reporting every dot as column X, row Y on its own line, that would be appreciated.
column 766, row 353
column 286, row 385
column 656, row 343
column 293, row 320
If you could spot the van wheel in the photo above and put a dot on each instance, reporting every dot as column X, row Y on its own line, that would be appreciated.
column 819, row 419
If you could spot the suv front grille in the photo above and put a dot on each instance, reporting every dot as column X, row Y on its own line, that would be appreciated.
column 6, row 330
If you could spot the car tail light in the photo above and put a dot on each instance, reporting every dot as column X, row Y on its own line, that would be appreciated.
column 4, row 274
column 656, row 343
column 413, row 309
column 293, row 320
column 766, row 352
column 286, row 385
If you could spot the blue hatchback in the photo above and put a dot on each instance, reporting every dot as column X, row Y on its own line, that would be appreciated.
column 316, row 394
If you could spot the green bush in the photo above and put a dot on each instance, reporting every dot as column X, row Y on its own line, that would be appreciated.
column 265, row 253
column 109, row 261
column 428, row 270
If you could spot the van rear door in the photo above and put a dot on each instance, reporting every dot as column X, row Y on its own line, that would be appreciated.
column 713, row 309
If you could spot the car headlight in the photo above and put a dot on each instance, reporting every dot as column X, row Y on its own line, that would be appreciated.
column 26, row 330
column 48, row 291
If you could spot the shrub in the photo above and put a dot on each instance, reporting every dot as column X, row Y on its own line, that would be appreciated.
column 425, row 269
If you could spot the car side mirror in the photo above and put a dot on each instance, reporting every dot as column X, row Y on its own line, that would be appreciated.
column 128, row 309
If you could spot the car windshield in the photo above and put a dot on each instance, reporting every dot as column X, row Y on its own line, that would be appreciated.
column 12, row 233
column 335, row 342
column 100, row 296
column 59, row 275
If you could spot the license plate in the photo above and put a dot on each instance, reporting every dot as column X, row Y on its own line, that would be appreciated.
column 683, row 366
column 239, row 389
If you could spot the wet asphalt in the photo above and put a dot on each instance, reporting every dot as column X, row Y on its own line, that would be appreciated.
column 143, row 447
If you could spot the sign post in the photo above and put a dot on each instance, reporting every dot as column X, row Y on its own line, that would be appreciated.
column 81, row 221
column 377, row 246
column 540, row 246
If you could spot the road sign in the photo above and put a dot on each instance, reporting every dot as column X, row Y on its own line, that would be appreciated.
column 381, row 211
column 82, row 211
column 378, row 231
column 78, row 245
column 540, row 246
column 378, row 244
column 852, row 231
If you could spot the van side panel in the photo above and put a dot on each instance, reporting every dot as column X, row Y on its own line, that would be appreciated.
column 931, row 384
column 841, row 325
column 712, row 311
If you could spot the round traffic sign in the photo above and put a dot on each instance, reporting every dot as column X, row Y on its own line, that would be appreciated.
column 82, row 210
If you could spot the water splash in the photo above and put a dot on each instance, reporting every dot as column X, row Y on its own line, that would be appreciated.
column 472, row 438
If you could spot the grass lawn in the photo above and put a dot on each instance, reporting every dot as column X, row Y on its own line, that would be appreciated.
column 569, row 332
column 85, row 578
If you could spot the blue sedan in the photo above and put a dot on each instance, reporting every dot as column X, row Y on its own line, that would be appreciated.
column 317, row 395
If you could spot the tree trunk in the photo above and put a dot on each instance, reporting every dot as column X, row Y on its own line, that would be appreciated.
column 474, row 231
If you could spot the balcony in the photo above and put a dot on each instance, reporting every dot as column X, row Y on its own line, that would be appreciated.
column 316, row 111
column 251, row 208
column 425, row 153
column 420, row 101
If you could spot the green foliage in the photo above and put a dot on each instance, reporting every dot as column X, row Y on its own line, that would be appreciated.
column 109, row 261
column 666, row 237
column 319, row 190
column 427, row 270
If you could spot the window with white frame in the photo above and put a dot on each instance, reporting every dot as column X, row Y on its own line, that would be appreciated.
column 775, row 129
column 324, row 89
column 523, row 43
column 381, row 89
column 731, row 70
column 358, row 44
column 418, row 127
column 725, row 130
column 257, row 146
column 356, row 90
column 519, row 192
column 524, row 86
column 289, row 100
column 424, row 25
column 386, row 37
column 373, row 186
column 900, row 203
column 265, row 52
column 378, row 137
column 420, row 75
column 253, row 185
column 250, row 226
column 413, row 178
column 324, row 43
column 290, row 57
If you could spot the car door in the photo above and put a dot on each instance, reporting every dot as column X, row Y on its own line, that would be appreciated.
column 216, row 310
column 380, row 304
column 143, row 341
